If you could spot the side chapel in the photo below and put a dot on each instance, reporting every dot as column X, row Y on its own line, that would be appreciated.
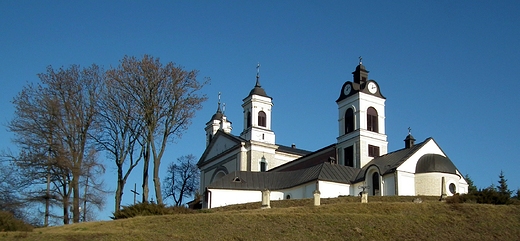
column 235, row 169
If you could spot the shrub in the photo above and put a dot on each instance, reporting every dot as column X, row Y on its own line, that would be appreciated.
column 9, row 223
column 148, row 209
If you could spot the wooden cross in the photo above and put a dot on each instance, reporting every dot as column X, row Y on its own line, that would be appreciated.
column 135, row 191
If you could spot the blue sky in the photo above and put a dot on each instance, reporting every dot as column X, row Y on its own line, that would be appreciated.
column 449, row 69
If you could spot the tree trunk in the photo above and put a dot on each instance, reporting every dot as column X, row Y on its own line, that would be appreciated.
column 157, row 181
column 146, row 164
column 75, row 198
column 119, row 188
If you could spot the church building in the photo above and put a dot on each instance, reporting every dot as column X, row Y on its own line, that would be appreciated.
column 235, row 169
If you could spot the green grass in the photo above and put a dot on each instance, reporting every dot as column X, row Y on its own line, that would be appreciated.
column 383, row 218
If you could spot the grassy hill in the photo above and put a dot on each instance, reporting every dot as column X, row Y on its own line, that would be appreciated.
column 383, row 218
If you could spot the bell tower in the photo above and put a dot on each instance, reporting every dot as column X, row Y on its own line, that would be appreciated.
column 218, row 121
column 257, row 114
column 361, row 121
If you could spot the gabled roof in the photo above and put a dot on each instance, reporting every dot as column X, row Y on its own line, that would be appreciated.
column 243, row 180
column 236, row 139
column 388, row 163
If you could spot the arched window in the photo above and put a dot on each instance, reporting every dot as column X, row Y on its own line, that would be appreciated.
column 349, row 121
column 375, row 184
column 248, row 119
column 261, row 119
column 372, row 124
column 263, row 164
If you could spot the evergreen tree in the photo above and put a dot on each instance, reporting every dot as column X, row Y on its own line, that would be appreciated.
column 502, row 188
column 472, row 189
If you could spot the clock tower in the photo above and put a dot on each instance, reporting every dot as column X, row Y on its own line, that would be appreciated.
column 361, row 108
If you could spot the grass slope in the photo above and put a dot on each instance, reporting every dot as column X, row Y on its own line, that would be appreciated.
column 336, row 219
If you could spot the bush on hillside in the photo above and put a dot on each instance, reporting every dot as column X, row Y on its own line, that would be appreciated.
column 148, row 209
column 485, row 196
column 9, row 223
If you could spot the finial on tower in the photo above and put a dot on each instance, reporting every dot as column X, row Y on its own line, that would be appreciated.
column 409, row 130
column 218, row 108
column 360, row 60
column 258, row 75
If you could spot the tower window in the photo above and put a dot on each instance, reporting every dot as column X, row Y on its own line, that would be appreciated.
column 263, row 165
column 261, row 119
column 349, row 121
column 248, row 119
column 373, row 151
column 349, row 156
column 372, row 124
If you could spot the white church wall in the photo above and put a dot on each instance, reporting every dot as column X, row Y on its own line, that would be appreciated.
column 389, row 185
column 333, row 189
column 221, row 145
column 211, row 173
column 299, row 192
column 430, row 184
column 223, row 197
column 406, row 183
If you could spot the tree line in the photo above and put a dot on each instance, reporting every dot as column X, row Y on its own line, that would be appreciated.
column 63, row 122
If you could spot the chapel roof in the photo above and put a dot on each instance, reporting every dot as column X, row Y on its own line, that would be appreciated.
column 388, row 163
column 244, row 180
column 435, row 163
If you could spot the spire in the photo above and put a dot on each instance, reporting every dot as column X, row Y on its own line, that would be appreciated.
column 409, row 141
column 258, row 90
column 218, row 108
column 258, row 76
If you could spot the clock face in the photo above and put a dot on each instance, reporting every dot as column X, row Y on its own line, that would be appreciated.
column 347, row 89
column 372, row 87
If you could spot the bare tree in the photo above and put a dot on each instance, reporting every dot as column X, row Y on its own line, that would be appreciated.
column 182, row 179
column 122, row 129
column 167, row 98
column 58, row 116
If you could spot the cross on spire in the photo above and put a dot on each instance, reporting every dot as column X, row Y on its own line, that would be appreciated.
column 409, row 131
column 360, row 60
column 258, row 75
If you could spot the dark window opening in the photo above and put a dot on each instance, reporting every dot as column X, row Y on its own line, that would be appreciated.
column 263, row 166
column 261, row 119
column 210, row 137
column 248, row 119
column 372, row 124
column 375, row 184
column 288, row 196
column 349, row 156
column 349, row 121
column 237, row 179
column 453, row 188
column 373, row 151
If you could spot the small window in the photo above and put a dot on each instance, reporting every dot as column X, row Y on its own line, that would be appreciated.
column 453, row 188
column 349, row 156
column 261, row 119
column 248, row 119
column 237, row 179
column 373, row 151
column 349, row 121
column 372, row 124
column 263, row 166
column 288, row 196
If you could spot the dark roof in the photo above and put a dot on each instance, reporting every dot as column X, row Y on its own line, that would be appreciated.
column 389, row 162
column 435, row 163
column 258, row 90
column 294, row 150
column 243, row 180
